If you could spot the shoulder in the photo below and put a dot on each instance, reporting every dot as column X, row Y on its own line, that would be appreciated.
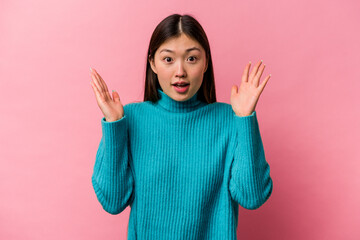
column 221, row 113
column 131, row 107
column 221, row 107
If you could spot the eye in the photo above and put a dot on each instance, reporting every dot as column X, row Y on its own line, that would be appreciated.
column 193, row 57
column 166, row 58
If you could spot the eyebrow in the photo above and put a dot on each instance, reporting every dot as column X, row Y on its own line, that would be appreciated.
column 187, row 50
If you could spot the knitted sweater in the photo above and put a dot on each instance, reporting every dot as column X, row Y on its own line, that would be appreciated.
column 182, row 167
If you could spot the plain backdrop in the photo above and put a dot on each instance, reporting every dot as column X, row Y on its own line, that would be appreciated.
column 50, row 122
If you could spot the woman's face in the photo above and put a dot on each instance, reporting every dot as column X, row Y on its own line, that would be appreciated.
column 172, row 63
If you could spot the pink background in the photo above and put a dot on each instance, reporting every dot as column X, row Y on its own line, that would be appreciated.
column 50, row 122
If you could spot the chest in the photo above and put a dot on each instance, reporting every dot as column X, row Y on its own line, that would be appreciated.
column 171, row 154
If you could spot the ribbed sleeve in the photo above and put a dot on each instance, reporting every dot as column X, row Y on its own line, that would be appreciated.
column 250, row 183
column 112, row 177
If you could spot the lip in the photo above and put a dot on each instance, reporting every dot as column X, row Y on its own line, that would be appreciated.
column 181, row 90
column 181, row 82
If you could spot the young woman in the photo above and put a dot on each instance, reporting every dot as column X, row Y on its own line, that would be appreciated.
column 182, row 161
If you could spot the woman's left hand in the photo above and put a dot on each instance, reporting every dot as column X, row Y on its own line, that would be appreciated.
column 243, row 100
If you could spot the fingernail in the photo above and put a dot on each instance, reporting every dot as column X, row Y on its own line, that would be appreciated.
column 261, row 60
column 250, row 62
column 90, row 69
column 113, row 90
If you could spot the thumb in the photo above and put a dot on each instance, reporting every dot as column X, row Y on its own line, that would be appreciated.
column 234, row 90
column 116, row 96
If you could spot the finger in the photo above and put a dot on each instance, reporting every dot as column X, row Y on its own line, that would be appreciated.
column 263, row 84
column 102, row 81
column 234, row 90
column 105, row 93
column 96, row 83
column 258, row 76
column 103, row 84
column 254, row 71
column 96, row 90
column 96, row 75
column 245, row 75
column 116, row 96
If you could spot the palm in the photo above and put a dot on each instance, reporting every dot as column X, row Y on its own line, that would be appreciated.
column 112, row 108
column 244, row 99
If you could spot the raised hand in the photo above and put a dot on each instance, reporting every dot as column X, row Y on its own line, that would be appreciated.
column 111, row 107
column 244, row 99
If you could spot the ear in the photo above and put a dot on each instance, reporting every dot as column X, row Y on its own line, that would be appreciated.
column 152, row 64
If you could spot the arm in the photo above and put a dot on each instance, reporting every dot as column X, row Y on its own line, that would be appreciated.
column 112, row 178
column 250, row 183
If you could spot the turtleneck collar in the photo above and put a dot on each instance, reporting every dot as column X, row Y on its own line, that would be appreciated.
column 172, row 105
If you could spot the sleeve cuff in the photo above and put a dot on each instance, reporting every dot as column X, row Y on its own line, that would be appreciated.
column 114, row 132
column 245, row 125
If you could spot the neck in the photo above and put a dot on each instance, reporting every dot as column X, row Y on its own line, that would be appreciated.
column 171, row 105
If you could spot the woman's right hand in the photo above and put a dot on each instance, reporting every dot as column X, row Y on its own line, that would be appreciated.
column 112, row 108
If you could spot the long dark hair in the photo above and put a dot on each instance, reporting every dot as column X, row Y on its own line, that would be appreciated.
column 173, row 26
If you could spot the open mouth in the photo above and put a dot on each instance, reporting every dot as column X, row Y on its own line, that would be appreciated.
column 181, row 85
column 181, row 88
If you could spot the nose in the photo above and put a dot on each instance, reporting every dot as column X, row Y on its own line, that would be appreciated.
column 180, row 71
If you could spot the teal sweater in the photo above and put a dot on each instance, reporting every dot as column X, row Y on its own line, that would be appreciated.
column 182, row 167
